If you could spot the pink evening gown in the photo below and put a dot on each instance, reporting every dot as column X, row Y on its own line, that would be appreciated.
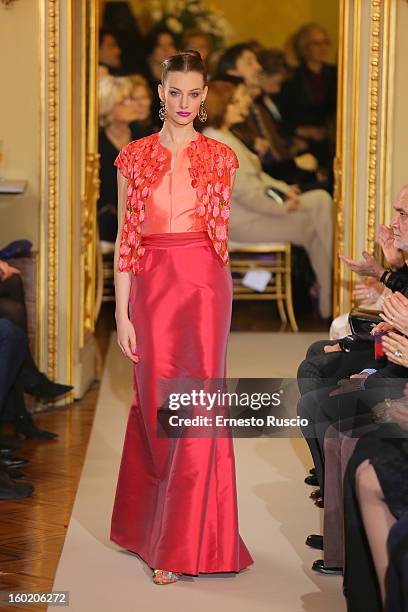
column 176, row 500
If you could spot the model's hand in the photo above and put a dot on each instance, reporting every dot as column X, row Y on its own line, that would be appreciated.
column 127, row 339
column 367, row 267
column 394, row 256
column 396, row 348
column 7, row 271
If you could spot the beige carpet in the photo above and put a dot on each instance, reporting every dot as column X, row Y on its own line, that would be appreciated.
column 275, row 512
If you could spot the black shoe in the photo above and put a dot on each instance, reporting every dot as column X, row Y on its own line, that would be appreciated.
column 41, row 386
column 5, row 451
column 315, row 541
column 320, row 568
column 312, row 481
column 312, row 471
column 8, row 462
column 24, row 425
column 13, row 473
column 9, row 442
column 10, row 490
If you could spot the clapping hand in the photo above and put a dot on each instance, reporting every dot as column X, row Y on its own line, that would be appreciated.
column 367, row 292
column 381, row 328
column 385, row 238
column 396, row 348
column 395, row 311
column 367, row 267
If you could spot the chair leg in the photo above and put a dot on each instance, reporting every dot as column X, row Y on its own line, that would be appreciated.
column 281, row 306
column 288, row 290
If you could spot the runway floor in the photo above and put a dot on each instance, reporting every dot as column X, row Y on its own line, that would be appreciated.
column 275, row 511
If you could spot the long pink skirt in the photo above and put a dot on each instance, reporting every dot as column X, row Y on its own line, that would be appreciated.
column 176, row 500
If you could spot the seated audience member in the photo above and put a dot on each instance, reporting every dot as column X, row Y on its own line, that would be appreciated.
column 160, row 43
column 305, row 220
column 142, row 97
column 200, row 41
column 109, row 52
column 376, row 496
column 259, row 131
column 308, row 99
column 324, row 359
column 29, row 380
column 119, row 112
column 325, row 407
column 13, row 348
column 119, row 19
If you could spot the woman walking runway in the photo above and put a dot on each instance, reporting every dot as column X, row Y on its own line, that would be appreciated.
column 176, row 501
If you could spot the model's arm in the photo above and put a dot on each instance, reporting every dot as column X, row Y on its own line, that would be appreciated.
column 125, row 329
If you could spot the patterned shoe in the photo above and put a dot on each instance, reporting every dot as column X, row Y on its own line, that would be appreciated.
column 164, row 577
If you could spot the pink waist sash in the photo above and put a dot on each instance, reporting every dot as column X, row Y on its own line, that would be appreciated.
column 176, row 239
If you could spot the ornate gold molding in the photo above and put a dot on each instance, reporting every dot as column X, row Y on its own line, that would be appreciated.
column 373, row 118
column 47, row 322
column 363, row 152
column 88, row 250
column 90, row 178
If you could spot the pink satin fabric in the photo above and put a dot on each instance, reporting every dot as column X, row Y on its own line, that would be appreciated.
column 171, row 206
column 176, row 500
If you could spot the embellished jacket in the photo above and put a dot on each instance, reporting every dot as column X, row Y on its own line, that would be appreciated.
column 212, row 167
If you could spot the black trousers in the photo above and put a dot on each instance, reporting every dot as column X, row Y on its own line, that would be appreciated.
column 320, row 369
column 12, row 307
column 13, row 349
column 321, row 411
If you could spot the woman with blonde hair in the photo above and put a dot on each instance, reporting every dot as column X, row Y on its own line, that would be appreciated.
column 145, row 124
column 117, row 111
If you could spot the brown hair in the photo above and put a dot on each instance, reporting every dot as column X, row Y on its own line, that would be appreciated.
column 184, row 61
column 220, row 95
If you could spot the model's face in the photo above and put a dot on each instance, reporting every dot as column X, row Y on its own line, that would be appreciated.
column 142, row 101
column 318, row 46
column 109, row 52
column 248, row 68
column 182, row 94
column 165, row 47
column 399, row 221
column 271, row 84
column 238, row 109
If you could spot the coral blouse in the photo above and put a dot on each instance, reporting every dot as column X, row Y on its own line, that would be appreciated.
column 172, row 203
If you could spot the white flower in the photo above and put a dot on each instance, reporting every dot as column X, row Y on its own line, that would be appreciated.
column 157, row 15
column 195, row 8
column 174, row 25
column 203, row 25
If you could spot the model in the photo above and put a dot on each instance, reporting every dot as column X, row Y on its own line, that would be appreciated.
column 176, row 500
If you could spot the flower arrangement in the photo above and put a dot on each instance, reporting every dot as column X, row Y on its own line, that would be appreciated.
column 181, row 15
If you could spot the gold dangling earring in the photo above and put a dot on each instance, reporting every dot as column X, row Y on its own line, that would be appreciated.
column 202, row 113
column 162, row 111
